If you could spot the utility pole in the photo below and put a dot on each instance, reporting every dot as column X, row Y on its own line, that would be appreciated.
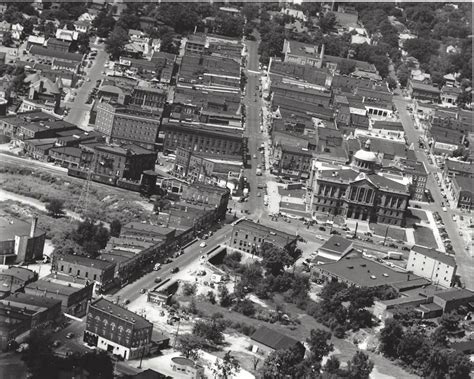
column 177, row 332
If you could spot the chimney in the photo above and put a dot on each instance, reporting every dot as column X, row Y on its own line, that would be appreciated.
column 33, row 227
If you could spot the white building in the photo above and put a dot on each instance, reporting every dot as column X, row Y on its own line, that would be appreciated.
column 431, row 264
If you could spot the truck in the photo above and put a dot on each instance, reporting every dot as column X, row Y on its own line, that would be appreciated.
column 258, row 172
column 394, row 255
column 157, row 266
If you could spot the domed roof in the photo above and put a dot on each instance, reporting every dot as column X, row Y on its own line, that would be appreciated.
column 364, row 155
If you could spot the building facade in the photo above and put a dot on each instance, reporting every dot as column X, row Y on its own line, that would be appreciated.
column 207, row 195
column 434, row 265
column 123, row 124
column 359, row 193
column 117, row 330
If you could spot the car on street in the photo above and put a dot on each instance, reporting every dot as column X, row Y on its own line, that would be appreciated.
column 175, row 270
column 70, row 335
column 158, row 280
column 143, row 290
column 322, row 228
column 202, row 244
column 56, row 343
column 444, row 209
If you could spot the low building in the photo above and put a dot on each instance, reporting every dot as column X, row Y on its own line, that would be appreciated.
column 361, row 272
column 99, row 271
column 388, row 129
column 20, row 242
column 266, row 341
column 14, row 279
column 421, row 91
column 195, row 43
column 292, row 161
column 50, row 55
column 462, row 191
column 335, row 248
column 117, row 330
column 303, row 54
column 451, row 299
column 58, row 45
column 431, row 264
column 453, row 168
column 73, row 293
column 187, row 367
column 249, row 236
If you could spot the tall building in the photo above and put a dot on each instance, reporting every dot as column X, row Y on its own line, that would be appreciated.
column 117, row 330
column 129, row 124
column 357, row 192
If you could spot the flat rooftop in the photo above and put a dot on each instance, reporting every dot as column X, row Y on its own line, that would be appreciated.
column 123, row 313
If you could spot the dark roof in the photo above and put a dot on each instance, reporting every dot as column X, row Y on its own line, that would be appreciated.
column 466, row 184
column 384, row 183
column 20, row 273
column 273, row 339
column 36, row 301
column 466, row 347
column 388, row 125
column 85, row 261
column 455, row 294
column 272, row 235
column 38, row 50
column 434, row 254
column 460, row 166
column 337, row 244
column 424, row 87
column 148, row 374
column 120, row 312
column 365, row 272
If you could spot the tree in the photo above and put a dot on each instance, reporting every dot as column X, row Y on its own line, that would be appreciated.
column 360, row 366
column 83, row 43
column 39, row 353
column 211, row 297
column 390, row 337
column 7, row 39
column 189, row 345
column 210, row 330
column 224, row 296
column 55, row 208
column 226, row 367
column 439, row 337
column 327, row 22
column 450, row 321
column 49, row 30
column 104, row 22
column 410, row 345
column 116, row 42
column 115, row 228
column 319, row 345
column 274, row 259
column 246, row 307
column 332, row 365
column 98, row 365
column 403, row 74
column 250, row 11
column 459, row 366
column 281, row 363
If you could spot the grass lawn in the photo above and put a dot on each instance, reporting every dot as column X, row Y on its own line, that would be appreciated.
column 393, row 231
column 424, row 237
column 419, row 214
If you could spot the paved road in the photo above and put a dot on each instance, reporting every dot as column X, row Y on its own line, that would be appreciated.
column 464, row 261
column 79, row 110
column 191, row 254
column 253, row 104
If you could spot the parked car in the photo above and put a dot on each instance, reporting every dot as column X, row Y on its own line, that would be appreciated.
column 322, row 228
column 202, row 244
column 158, row 280
column 70, row 335
column 175, row 270
column 335, row 232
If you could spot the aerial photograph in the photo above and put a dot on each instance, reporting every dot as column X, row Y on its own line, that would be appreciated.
column 236, row 190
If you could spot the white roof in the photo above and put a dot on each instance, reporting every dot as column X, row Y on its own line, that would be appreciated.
column 364, row 155
column 36, row 39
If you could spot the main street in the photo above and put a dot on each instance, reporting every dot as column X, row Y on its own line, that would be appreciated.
column 79, row 110
column 253, row 104
column 464, row 261
column 191, row 254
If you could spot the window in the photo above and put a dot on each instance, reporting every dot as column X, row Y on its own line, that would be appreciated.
column 87, row 274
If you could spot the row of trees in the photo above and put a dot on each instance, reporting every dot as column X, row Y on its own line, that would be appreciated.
column 427, row 356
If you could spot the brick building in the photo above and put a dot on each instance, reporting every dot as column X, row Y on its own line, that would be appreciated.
column 73, row 293
column 99, row 271
column 117, row 330
column 462, row 191
column 127, row 124
column 207, row 195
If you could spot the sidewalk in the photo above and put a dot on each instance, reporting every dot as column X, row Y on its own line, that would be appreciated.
column 274, row 198
column 435, row 230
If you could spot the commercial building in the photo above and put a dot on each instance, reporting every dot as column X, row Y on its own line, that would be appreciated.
column 187, row 367
column 361, row 272
column 99, row 271
column 128, row 124
column 74, row 293
column 359, row 193
column 421, row 91
column 450, row 126
column 192, row 167
column 334, row 249
column 14, row 279
column 208, row 196
column 56, row 55
column 20, row 242
column 462, row 191
column 431, row 264
column 453, row 168
column 303, row 54
column 20, row 313
column 207, row 140
column 266, row 341
column 292, row 161
column 126, row 161
column 249, row 236
column 117, row 330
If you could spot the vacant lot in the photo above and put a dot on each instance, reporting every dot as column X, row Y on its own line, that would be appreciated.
column 393, row 231
column 103, row 203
